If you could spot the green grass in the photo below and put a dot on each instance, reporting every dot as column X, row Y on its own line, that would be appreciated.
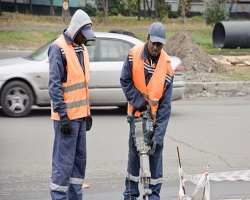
column 26, row 39
column 196, row 27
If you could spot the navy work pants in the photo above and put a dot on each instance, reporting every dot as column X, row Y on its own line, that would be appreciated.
column 68, row 162
column 132, row 180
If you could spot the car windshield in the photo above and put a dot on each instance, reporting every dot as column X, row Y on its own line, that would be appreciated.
column 41, row 53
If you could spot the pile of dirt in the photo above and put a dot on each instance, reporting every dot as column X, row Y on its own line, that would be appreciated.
column 197, row 64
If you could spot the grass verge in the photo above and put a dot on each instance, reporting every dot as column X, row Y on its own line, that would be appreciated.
column 30, row 35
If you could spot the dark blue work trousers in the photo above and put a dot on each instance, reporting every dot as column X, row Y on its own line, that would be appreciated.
column 68, row 162
column 132, row 180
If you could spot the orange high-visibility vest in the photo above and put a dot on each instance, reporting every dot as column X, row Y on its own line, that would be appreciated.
column 153, row 92
column 75, row 90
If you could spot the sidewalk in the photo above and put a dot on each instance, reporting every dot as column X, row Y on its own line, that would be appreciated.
column 221, row 89
column 217, row 89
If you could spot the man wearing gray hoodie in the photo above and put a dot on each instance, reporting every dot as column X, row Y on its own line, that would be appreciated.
column 70, row 110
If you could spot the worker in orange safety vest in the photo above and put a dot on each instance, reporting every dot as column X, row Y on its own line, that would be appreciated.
column 68, row 88
column 147, row 79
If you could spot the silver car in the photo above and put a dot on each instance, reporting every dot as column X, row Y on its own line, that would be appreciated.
column 24, row 81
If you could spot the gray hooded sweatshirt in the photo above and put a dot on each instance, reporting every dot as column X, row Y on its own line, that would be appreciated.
column 78, row 21
column 57, row 60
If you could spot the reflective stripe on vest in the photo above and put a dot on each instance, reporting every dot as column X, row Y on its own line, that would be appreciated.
column 155, row 88
column 75, row 90
column 76, row 86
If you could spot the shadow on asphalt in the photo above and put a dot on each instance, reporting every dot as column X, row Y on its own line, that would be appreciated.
column 101, row 111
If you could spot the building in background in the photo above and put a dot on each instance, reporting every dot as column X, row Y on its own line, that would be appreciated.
column 239, row 8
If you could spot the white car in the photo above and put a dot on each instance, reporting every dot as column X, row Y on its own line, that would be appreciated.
column 24, row 81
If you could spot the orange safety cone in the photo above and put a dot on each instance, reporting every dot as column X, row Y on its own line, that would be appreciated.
column 84, row 186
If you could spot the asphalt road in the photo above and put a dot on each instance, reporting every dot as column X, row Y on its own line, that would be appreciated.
column 214, row 132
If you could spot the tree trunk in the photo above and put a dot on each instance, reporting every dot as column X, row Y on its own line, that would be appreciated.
column 144, row 9
column 52, row 11
column 139, row 8
column 183, row 13
column 30, row 2
column 0, row 8
column 105, row 9
column 149, row 10
column 231, row 6
column 65, row 11
column 128, row 7
column 16, row 9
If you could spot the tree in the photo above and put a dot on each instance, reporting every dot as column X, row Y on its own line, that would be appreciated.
column 161, row 9
column 184, row 9
column 0, row 8
column 183, row 13
column 30, row 5
column 132, row 7
column 231, row 6
column 144, row 9
column 215, row 12
column 149, row 9
column 15, row 3
column 52, row 11
column 116, row 7
column 105, row 4
column 139, row 9
column 65, row 11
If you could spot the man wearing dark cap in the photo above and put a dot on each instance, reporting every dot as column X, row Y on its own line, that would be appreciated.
column 147, row 80
column 70, row 109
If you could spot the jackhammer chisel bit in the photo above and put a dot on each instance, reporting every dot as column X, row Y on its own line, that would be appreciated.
column 142, row 131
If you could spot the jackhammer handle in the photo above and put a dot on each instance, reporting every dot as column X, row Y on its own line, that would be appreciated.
column 134, row 110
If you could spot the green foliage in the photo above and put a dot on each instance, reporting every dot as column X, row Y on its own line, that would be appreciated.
column 187, row 7
column 173, row 14
column 116, row 7
column 162, row 9
column 132, row 7
column 113, row 11
column 99, row 4
column 215, row 12
column 89, row 9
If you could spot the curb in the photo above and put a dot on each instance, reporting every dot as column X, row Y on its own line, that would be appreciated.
column 217, row 89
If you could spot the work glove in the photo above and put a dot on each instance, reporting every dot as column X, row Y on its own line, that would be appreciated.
column 89, row 121
column 65, row 125
column 143, row 106
column 153, row 148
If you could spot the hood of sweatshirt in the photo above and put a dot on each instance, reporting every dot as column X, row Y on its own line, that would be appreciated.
column 78, row 21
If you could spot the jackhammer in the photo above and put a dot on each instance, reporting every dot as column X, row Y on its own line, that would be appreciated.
column 142, row 130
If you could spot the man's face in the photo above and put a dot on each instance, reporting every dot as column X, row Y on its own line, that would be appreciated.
column 80, row 38
column 154, row 48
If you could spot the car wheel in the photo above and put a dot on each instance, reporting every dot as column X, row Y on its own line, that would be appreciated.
column 16, row 99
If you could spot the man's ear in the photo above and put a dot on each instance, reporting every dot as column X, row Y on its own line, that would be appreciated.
column 148, row 37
